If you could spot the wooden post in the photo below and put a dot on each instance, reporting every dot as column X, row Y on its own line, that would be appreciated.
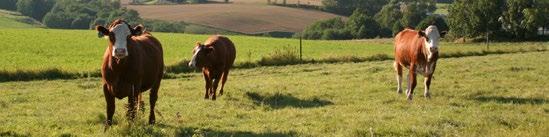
column 300, row 48
column 487, row 41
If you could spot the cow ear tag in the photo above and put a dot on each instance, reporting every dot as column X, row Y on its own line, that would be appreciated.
column 100, row 35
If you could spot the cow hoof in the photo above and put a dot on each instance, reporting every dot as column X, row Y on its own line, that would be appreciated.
column 213, row 98
column 108, row 124
column 427, row 95
column 409, row 97
column 399, row 91
column 151, row 122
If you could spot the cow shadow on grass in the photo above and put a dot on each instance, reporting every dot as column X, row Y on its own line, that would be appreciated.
column 191, row 131
column 510, row 100
column 278, row 101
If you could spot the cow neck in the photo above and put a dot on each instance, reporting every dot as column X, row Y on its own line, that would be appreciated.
column 424, row 49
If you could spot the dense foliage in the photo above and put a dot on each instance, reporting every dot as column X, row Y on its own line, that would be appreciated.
column 507, row 19
column 8, row 4
column 35, row 8
column 347, row 7
column 390, row 19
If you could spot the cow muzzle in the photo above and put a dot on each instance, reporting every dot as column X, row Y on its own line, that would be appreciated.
column 120, row 53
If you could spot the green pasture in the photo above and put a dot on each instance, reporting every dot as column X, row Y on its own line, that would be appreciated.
column 492, row 95
column 80, row 51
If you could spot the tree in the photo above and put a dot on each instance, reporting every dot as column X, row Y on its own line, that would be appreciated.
column 522, row 19
column 361, row 25
column 8, row 4
column 36, row 9
column 433, row 20
column 472, row 18
column 408, row 13
column 346, row 7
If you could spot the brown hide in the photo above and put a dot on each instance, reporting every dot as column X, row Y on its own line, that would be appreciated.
column 216, row 64
column 412, row 52
column 140, row 71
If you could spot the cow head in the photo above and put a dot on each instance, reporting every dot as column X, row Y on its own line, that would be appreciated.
column 432, row 38
column 201, row 54
column 119, row 32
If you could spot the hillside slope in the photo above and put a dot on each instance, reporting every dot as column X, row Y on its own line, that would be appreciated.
column 10, row 19
column 244, row 18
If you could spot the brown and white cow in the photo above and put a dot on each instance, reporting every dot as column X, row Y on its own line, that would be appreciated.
column 215, row 57
column 132, row 63
column 417, row 51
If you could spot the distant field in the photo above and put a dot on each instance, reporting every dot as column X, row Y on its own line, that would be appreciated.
column 9, row 19
column 494, row 95
column 244, row 18
column 80, row 51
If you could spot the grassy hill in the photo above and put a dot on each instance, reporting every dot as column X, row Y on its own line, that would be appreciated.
column 494, row 95
column 243, row 18
column 10, row 19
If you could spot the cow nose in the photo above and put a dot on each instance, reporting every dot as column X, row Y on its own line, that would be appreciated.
column 120, row 53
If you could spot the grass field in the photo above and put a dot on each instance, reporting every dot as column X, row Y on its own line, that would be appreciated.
column 493, row 95
column 80, row 51
column 243, row 18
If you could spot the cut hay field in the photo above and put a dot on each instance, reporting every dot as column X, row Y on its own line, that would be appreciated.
column 243, row 18
column 493, row 95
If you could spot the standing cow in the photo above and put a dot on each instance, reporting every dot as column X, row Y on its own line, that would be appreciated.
column 417, row 51
column 132, row 63
column 215, row 57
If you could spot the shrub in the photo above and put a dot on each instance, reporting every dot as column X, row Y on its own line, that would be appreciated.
column 8, row 4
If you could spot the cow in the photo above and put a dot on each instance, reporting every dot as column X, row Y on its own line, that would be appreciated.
column 215, row 57
column 132, row 63
column 417, row 51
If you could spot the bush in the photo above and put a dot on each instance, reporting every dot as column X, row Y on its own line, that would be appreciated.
column 8, row 4
column 433, row 20
column 36, row 9
column 362, row 26
column 164, row 26
column 319, row 30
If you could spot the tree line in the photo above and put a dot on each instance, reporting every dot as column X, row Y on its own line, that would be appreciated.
column 499, row 19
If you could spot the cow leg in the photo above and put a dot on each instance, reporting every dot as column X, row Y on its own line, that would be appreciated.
column 411, row 81
column 132, row 107
column 427, row 86
column 152, row 101
column 215, row 84
column 110, row 106
column 223, row 80
column 140, row 103
column 398, row 70
column 208, row 85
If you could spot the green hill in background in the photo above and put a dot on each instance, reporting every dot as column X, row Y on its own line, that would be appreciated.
column 10, row 19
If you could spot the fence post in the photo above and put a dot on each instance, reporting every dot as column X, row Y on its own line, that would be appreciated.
column 300, row 48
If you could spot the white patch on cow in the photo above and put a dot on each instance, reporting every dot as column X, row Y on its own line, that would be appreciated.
column 193, row 59
column 432, row 44
column 121, row 33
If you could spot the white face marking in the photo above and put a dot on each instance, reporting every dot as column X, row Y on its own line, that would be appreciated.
column 193, row 59
column 432, row 44
column 121, row 33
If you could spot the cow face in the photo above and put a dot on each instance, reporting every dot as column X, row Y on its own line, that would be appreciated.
column 118, row 33
column 201, row 54
column 432, row 38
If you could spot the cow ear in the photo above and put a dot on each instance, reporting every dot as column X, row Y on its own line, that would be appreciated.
column 101, row 31
column 443, row 33
column 422, row 34
column 138, row 30
column 209, row 49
